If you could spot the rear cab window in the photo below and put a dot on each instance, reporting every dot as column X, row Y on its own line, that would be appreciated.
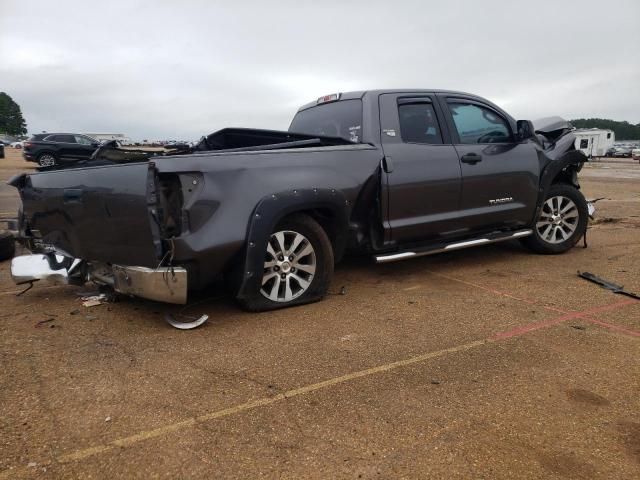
column 335, row 119
column 418, row 123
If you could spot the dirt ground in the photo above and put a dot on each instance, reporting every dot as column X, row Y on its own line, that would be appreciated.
column 485, row 363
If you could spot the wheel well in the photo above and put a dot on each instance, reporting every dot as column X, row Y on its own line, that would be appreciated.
column 566, row 176
column 329, row 221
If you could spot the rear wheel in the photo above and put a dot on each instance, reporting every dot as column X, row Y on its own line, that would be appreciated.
column 47, row 160
column 562, row 221
column 298, row 266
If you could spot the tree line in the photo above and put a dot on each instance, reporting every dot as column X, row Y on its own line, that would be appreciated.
column 622, row 130
column 11, row 120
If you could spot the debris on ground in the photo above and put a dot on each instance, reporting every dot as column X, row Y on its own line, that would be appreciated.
column 95, row 300
column 578, row 327
column 74, row 312
column 42, row 322
column 619, row 289
column 170, row 319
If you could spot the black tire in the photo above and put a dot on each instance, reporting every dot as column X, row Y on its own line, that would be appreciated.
column 7, row 245
column 47, row 159
column 322, row 250
column 539, row 243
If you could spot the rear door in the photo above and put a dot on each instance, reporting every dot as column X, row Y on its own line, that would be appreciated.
column 99, row 213
column 422, row 172
column 500, row 176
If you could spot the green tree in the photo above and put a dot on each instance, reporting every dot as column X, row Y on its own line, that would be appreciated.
column 622, row 130
column 11, row 120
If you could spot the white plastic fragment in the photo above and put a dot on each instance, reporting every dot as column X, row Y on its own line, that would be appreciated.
column 185, row 325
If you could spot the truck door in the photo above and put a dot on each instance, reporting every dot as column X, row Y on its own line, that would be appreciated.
column 421, row 168
column 500, row 176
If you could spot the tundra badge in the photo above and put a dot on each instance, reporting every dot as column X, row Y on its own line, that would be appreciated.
column 496, row 201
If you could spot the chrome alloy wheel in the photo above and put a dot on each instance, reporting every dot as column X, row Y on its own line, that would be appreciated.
column 558, row 219
column 289, row 266
column 47, row 160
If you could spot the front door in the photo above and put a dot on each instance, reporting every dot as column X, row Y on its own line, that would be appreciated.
column 500, row 175
column 422, row 171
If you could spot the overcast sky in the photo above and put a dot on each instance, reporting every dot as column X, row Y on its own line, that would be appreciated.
column 178, row 70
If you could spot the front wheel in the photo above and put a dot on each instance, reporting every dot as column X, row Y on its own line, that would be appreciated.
column 562, row 221
column 298, row 266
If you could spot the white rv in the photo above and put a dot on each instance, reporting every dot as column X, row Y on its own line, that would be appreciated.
column 594, row 142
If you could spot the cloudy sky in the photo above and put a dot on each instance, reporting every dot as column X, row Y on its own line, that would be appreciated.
column 176, row 70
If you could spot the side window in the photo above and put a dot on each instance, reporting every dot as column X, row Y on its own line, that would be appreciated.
column 584, row 143
column 82, row 140
column 418, row 123
column 51, row 138
column 476, row 124
column 65, row 139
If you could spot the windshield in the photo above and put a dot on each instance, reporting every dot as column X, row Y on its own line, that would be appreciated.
column 336, row 119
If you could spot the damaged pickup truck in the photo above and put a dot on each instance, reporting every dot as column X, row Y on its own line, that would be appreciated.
column 394, row 174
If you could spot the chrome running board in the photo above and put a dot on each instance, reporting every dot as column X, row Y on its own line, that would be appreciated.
column 394, row 257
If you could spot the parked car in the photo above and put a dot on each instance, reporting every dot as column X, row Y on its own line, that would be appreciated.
column 610, row 152
column 52, row 149
column 17, row 145
column 635, row 153
column 622, row 152
column 394, row 174
column 1, row 150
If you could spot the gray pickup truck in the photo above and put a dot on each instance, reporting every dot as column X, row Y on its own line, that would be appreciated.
column 394, row 174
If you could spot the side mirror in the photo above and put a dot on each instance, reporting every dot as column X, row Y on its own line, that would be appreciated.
column 525, row 130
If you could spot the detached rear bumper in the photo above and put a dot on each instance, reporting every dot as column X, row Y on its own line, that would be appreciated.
column 163, row 284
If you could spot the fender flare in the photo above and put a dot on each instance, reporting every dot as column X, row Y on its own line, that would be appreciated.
column 570, row 164
column 273, row 208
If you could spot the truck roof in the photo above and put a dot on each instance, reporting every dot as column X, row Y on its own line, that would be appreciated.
column 361, row 93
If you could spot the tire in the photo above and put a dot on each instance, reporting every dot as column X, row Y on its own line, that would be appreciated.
column 561, row 223
column 47, row 160
column 7, row 245
column 298, row 276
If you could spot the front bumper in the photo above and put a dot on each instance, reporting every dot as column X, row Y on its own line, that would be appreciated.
column 162, row 284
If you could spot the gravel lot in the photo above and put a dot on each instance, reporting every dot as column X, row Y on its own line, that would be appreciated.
column 484, row 363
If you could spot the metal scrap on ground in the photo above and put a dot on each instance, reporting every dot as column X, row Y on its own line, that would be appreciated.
column 607, row 284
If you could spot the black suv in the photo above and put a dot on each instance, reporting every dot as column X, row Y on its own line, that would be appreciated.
column 52, row 149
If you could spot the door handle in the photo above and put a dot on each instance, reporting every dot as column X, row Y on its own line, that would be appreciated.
column 471, row 158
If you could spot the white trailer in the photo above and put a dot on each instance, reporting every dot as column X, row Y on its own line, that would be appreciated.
column 594, row 142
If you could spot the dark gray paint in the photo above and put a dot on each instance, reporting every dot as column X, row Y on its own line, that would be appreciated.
column 425, row 195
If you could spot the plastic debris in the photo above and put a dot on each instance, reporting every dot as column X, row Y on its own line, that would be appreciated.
column 94, row 300
column 185, row 325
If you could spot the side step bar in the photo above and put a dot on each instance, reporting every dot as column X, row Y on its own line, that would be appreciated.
column 394, row 257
